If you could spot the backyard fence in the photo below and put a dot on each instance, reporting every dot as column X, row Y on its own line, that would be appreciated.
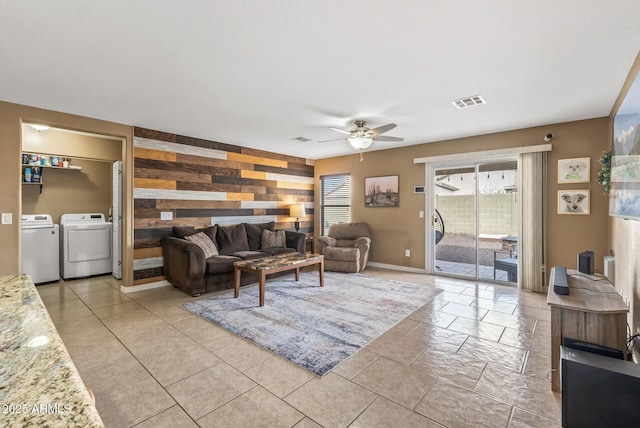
column 498, row 213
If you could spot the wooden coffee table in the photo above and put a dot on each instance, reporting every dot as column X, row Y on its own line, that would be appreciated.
column 273, row 264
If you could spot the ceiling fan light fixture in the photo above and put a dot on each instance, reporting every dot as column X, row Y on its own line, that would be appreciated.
column 360, row 142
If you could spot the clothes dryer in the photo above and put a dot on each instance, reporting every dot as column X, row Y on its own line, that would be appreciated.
column 85, row 245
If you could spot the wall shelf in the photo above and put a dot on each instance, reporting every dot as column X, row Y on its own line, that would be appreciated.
column 43, row 167
column 70, row 168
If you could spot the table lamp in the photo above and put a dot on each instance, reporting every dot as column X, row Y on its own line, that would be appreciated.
column 297, row 211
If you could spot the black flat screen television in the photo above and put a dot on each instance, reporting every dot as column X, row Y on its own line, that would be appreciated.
column 598, row 391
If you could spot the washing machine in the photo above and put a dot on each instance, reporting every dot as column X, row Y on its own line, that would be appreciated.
column 40, row 248
column 85, row 245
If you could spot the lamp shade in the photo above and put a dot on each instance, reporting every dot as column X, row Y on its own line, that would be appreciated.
column 297, row 210
column 360, row 142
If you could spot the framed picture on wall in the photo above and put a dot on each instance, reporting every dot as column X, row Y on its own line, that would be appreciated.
column 381, row 191
column 574, row 170
column 574, row 201
column 624, row 197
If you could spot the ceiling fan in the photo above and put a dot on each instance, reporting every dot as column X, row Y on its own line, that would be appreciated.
column 361, row 137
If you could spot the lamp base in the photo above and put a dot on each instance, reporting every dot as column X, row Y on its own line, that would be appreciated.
column 297, row 226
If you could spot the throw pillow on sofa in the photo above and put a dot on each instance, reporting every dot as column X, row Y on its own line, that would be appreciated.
column 232, row 239
column 183, row 231
column 277, row 239
column 254, row 233
column 204, row 242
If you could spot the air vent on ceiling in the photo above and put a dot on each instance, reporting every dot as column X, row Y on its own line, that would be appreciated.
column 302, row 139
column 475, row 100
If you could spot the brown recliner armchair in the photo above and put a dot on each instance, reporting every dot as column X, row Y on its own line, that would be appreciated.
column 346, row 248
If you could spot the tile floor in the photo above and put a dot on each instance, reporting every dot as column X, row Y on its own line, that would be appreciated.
column 477, row 355
column 467, row 269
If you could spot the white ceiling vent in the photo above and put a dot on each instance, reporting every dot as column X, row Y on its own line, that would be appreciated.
column 475, row 100
column 301, row 139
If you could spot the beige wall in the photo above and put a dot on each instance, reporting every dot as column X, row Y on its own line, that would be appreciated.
column 397, row 229
column 70, row 144
column 11, row 118
column 66, row 190
column 625, row 236
column 69, row 191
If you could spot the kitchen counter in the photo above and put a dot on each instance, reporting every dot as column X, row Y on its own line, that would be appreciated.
column 39, row 384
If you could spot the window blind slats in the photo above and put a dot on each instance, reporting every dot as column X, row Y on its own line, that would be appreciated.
column 335, row 204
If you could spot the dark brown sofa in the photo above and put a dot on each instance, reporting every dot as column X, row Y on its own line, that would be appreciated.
column 186, row 267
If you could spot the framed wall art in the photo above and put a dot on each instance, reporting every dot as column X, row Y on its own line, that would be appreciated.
column 381, row 191
column 574, row 201
column 624, row 196
column 574, row 170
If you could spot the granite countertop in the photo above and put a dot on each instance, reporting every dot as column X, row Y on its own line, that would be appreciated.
column 39, row 384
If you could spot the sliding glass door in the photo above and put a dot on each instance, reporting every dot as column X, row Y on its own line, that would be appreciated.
column 455, row 206
column 476, row 206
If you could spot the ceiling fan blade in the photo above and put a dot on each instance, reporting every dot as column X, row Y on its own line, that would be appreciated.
column 395, row 139
column 342, row 131
column 384, row 128
column 328, row 141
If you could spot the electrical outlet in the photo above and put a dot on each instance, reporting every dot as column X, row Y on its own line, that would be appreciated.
column 407, row 253
column 7, row 218
column 421, row 214
column 625, row 298
column 166, row 215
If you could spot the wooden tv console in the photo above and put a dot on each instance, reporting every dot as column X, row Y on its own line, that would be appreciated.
column 593, row 312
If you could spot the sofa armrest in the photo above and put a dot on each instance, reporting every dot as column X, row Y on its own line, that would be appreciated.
column 325, row 241
column 296, row 240
column 363, row 244
column 184, row 264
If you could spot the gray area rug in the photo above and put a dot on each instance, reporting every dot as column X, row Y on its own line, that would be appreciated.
column 313, row 327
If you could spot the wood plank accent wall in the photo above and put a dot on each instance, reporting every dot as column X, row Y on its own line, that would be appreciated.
column 203, row 183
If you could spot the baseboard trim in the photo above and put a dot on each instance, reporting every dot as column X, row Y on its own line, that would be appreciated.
column 396, row 267
column 143, row 287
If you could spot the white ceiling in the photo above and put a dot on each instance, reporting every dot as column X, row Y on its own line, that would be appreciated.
column 257, row 73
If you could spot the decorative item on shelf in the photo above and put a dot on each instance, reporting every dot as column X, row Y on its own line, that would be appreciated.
column 297, row 211
column 54, row 161
column 604, row 175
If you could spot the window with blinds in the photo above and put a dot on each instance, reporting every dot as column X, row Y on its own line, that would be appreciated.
column 335, row 205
